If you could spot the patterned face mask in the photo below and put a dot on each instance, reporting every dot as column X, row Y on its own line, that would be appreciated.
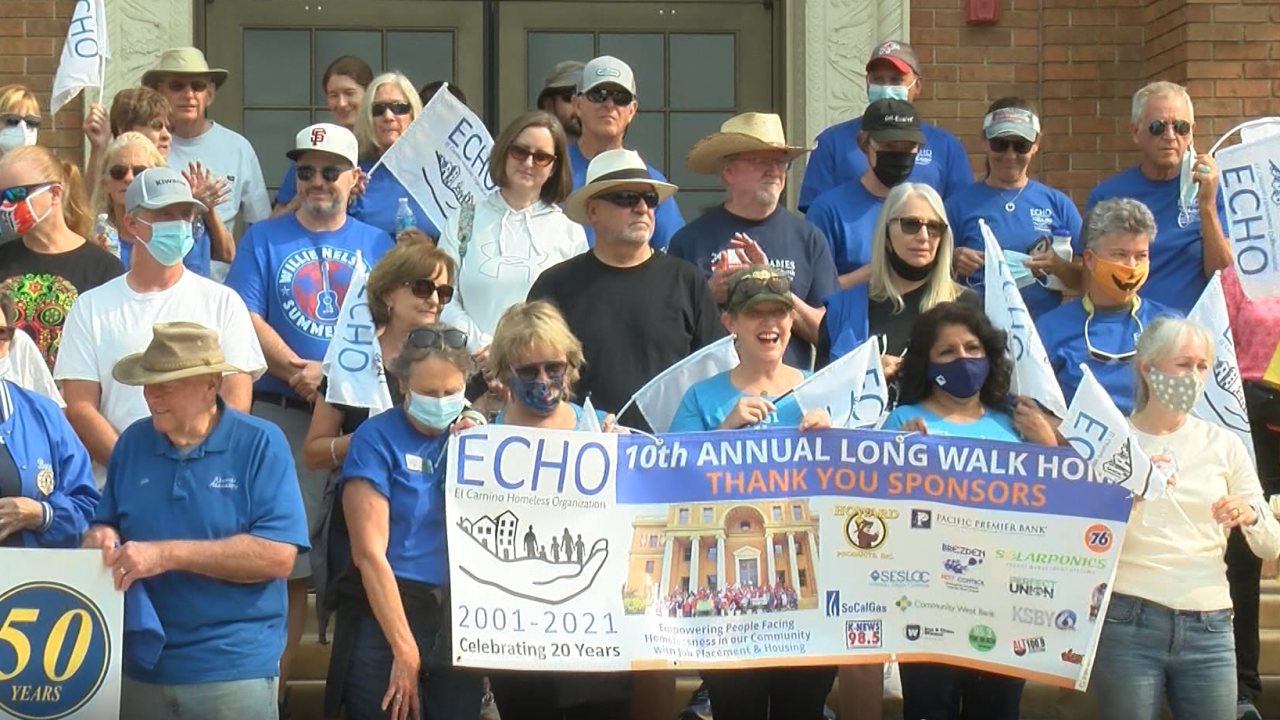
column 1178, row 393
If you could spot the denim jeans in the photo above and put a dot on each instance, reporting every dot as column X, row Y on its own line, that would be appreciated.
column 253, row 699
column 1147, row 650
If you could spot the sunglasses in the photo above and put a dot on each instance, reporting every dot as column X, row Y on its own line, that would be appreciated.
column 399, row 107
column 1181, row 127
column 425, row 337
column 118, row 172
column 6, row 333
column 18, row 193
column 620, row 97
column 1022, row 146
column 563, row 95
column 520, row 154
column 330, row 173
column 629, row 198
column 176, row 85
column 554, row 369
column 12, row 119
column 912, row 225
column 423, row 288
column 750, row 286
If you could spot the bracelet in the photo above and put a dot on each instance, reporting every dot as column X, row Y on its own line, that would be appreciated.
column 333, row 454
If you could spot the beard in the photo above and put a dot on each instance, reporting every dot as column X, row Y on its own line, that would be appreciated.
column 325, row 207
column 635, row 237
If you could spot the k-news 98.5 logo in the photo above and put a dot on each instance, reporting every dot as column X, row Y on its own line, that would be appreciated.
column 863, row 634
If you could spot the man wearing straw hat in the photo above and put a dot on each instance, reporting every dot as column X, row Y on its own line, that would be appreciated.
column 202, row 507
column 751, row 156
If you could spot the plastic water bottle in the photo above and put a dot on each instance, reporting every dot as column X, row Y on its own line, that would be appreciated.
column 111, row 239
column 404, row 216
column 1062, row 242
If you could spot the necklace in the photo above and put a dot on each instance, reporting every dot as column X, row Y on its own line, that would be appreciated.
column 1009, row 205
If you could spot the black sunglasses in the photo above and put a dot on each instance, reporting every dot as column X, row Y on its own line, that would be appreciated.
column 1181, row 127
column 423, row 288
column 425, row 337
column 398, row 107
column 1022, row 146
column 330, row 173
column 18, row 193
column 520, row 154
column 629, row 198
column 911, row 226
column 12, row 119
column 554, row 370
column 620, row 96
column 118, row 172
column 177, row 85
column 565, row 95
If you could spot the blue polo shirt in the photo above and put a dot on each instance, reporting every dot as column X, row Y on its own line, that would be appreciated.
column 378, row 203
column 239, row 480
column 666, row 217
column 942, row 163
column 1177, row 251
column 993, row 425
column 296, row 280
column 708, row 402
column 846, row 216
column 1111, row 331
column 407, row 468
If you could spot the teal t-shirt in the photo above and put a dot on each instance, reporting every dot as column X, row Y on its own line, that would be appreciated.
column 993, row 425
column 707, row 403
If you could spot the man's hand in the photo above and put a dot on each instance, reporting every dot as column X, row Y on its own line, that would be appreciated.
column 96, row 128
column 889, row 365
column 1205, row 172
column 748, row 250
column 414, row 233
column 136, row 561
column 19, row 513
column 306, row 379
column 967, row 261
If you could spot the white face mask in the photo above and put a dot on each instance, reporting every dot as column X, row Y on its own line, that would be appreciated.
column 1187, row 188
column 16, row 136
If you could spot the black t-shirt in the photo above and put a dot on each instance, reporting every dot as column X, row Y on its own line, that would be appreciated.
column 894, row 329
column 633, row 322
column 44, row 286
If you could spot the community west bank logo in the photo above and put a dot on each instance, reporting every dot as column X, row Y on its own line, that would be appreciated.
column 311, row 284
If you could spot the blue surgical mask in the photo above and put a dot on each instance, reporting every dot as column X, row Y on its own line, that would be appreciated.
column 960, row 378
column 1022, row 274
column 886, row 92
column 540, row 396
column 436, row 413
column 171, row 240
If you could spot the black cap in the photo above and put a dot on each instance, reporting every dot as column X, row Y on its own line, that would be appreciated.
column 891, row 120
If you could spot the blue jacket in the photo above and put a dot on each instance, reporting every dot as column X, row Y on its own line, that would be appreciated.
column 846, row 320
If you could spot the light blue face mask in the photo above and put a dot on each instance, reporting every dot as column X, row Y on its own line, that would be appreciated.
column 889, row 92
column 1022, row 274
column 436, row 413
column 171, row 240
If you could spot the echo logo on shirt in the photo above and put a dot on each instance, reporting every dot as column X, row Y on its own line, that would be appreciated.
column 924, row 156
column 311, row 285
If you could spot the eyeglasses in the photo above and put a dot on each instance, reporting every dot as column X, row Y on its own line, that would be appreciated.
column 425, row 337
column 1022, row 146
column 18, row 193
column 177, row 85
column 629, row 198
column 6, row 333
column 753, row 284
column 620, row 96
column 520, row 154
column 330, row 173
column 912, row 225
column 554, row 370
column 399, row 107
column 767, row 163
column 12, row 119
column 118, row 172
column 1181, row 127
column 423, row 288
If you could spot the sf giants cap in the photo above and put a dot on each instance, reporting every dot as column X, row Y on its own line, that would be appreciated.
column 891, row 121
column 607, row 69
column 159, row 187
column 900, row 54
column 326, row 137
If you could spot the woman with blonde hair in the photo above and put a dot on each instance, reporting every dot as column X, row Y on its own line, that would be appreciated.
column 19, row 127
column 389, row 107
column 126, row 156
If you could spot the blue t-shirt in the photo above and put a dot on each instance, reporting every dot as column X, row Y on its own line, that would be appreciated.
column 288, row 189
column 794, row 245
column 240, row 480
column 1177, row 274
column 708, row 402
column 196, row 260
column 666, row 217
column 942, row 163
column 1037, row 211
column 1111, row 331
column 993, row 425
column 577, row 414
column 295, row 280
column 846, row 216
column 378, row 203
column 407, row 468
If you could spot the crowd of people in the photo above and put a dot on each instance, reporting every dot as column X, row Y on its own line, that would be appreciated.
column 199, row 452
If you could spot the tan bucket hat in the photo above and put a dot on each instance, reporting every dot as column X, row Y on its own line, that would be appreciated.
column 612, row 168
column 178, row 350
column 183, row 61
column 741, row 133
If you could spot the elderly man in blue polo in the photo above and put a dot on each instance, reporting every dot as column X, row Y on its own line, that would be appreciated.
column 202, row 507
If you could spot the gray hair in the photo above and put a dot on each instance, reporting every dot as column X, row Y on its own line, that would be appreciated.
column 1161, row 339
column 1162, row 88
column 1117, row 215
column 411, row 354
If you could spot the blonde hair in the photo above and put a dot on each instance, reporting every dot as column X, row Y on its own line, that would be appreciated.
column 101, row 202
column 404, row 263
column 1161, row 339
column 364, row 119
column 11, row 96
column 537, row 325
column 52, row 169
column 940, row 287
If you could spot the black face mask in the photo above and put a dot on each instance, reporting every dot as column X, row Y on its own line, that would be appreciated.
column 893, row 166
column 906, row 270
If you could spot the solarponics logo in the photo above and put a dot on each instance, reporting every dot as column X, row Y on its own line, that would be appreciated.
column 982, row 638
column 1050, row 560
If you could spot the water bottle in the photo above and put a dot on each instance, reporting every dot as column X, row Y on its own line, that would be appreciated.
column 110, row 238
column 404, row 216
column 1062, row 242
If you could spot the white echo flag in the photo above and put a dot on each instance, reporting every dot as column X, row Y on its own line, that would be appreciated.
column 85, row 54
column 1250, row 181
column 1096, row 428
column 1032, row 374
column 588, row 422
column 1223, row 400
column 852, row 389
column 443, row 158
column 353, row 362
column 660, row 397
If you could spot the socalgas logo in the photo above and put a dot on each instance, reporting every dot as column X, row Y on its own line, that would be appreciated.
column 1032, row 587
column 835, row 608
column 1050, row 560
column 899, row 578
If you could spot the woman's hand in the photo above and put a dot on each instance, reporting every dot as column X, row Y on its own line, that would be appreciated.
column 412, row 234
column 1032, row 424
column 914, row 425
column 362, row 183
column 749, row 410
column 967, row 261
column 210, row 191
column 816, row 419
column 610, row 425
column 19, row 513
column 401, row 700
column 1231, row 511
column 890, row 364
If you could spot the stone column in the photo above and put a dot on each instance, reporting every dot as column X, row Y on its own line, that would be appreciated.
column 721, row 578
column 664, row 576
column 695, row 547
column 768, row 551
column 791, row 554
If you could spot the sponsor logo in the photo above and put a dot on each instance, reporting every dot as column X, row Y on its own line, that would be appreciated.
column 899, row 578
column 1095, row 600
column 1032, row 587
column 982, row 638
column 1050, row 560
column 959, row 565
column 995, row 527
column 1071, row 656
column 866, row 529
column 915, row 633
column 905, row 603
column 1063, row 619
column 833, row 603
column 1098, row 538
column 1028, row 646
column 862, row 634
column 911, row 632
column 835, row 608
column 922, row 519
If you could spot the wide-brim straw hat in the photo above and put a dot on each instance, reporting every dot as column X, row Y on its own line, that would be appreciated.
column 747, row 132
column 183, row 61
column 178, row 350
column 610, row 169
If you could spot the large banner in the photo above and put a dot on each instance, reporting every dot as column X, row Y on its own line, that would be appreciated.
column 1250, row 175
column 61, row 636
column 589, row 552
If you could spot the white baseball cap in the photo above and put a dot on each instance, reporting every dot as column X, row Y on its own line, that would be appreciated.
column 326, row 137
column 607, row 69
column 159, row 187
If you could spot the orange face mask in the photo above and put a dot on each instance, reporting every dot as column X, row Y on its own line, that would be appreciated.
column 1116, row 281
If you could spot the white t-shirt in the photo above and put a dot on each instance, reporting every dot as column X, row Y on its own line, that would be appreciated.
column 228, row 155
column 111, row 321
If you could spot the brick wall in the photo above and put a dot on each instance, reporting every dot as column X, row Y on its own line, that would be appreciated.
column 31, row 36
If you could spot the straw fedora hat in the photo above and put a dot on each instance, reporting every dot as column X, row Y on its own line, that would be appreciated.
column 183, row 61
column 611, row 169
column 178, row 350
column 740, row 133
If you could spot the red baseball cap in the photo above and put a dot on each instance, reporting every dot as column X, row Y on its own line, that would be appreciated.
column 900, row 54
